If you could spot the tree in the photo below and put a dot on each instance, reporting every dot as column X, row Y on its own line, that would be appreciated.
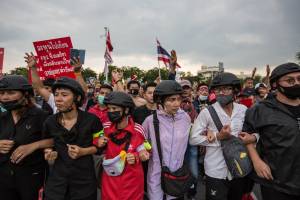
column 298, row 57
column 87, row 73
column 129, row 71
column 20, row 71
column 153, row 73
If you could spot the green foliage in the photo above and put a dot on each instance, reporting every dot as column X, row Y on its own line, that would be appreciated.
column 20, row 71
column 87, row 72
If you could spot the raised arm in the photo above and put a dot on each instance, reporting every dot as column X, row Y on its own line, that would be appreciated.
column 30, row 59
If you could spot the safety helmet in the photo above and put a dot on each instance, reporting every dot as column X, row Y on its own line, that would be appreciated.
column 16, row 82
column 166, row 88
column 282, row 70
column 73, row 85
column 121, row 99
column 226, row 79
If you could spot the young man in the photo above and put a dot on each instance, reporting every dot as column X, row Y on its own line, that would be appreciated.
column 133, row 88
column 141, row 113
column 192, row 151
column 261, row 91
column 201, row 100
column 219, row 182
column 100, row 109
column 277, row 121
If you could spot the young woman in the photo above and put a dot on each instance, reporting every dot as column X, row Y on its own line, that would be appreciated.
column 174, row 127
column 122, row 177
column 72, row 176
column 22, row 164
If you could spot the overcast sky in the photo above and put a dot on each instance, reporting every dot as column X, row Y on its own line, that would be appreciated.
column 241, row 33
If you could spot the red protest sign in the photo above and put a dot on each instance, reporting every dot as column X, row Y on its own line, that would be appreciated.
column 1, row 59
column 54, row 58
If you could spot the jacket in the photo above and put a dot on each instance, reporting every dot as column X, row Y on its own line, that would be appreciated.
column 279, row 143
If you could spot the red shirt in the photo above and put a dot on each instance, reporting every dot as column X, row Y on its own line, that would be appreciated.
column 130, row 184
column 100, row 113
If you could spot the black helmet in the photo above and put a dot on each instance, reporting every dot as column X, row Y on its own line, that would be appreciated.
column 15, row 82
column 226, row 78
column 119, row 99
column 282, row 70
column 166, row 88
column 66, row 82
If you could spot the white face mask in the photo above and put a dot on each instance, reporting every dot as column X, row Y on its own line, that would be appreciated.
column 202, row 98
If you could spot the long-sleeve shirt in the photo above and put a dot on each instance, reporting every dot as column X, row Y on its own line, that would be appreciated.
column 214, row 163
column 174, row 134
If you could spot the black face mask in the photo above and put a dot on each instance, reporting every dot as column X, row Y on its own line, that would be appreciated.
column 115, row 117
column 290, row 92
column 12, row 105
column 224, row 99
column 134, row 92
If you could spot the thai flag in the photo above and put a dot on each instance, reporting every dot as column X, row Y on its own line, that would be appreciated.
column 163, row 55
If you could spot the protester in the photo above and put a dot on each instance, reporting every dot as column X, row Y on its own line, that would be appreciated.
column 123, row 139
column 277, row 121
column 142, row 112
column 133, row 88
column 100, row 109
column 22, row 165
column 201, row 101
column 219, row 183
column 261, row 91
column 72, row 176
column 192, row 151
column 174, row 126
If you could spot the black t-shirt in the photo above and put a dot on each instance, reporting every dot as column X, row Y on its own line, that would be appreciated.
column 295, row 110
column 27, row 130
column 141, row 113
column 81, row 134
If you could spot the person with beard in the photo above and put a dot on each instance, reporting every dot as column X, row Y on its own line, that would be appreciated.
column 277, row 121
column 133, row 88
column 142, row 112
column 22, row 164
column 219, row 183
column 72, row 175
column 123, row 140
column 201, row 100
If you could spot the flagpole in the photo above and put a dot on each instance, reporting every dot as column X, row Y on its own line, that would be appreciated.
column 106, row 65
column 159, row 69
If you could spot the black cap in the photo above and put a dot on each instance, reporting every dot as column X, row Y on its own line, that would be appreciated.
column 282, row 70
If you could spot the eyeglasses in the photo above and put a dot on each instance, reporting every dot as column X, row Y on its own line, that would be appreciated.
column 292, row 81
column 225, row 90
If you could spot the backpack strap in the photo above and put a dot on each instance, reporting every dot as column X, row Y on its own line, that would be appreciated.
column 215, row 117
column 157, row 138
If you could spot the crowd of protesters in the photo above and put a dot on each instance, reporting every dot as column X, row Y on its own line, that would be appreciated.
column 64, row 139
